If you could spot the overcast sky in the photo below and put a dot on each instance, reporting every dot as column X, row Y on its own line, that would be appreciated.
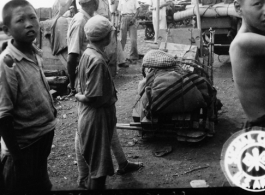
column 35, row 3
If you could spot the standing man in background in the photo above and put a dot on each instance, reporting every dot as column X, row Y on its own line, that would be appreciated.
column 111, row 49
column 76, row 39
column 77, row 44
column 124, row 166
column 129, row 10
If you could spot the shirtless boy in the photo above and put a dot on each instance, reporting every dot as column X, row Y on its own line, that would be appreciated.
column 247, row 55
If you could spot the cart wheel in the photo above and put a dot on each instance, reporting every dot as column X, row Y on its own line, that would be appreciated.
column 149, row 32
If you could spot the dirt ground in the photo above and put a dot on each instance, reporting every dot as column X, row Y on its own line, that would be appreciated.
column 158, row 172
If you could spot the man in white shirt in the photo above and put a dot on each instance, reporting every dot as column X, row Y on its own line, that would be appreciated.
column 129, row 10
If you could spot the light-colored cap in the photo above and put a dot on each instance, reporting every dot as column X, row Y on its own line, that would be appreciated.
column 71, row 7
column 97, row 28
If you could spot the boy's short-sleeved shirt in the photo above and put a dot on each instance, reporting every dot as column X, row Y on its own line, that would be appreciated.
column 25, row 96
column 95, row 79
column 76, row 38
column 128, row 6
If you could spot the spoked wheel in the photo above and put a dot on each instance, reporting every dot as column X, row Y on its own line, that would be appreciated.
column 149, row 32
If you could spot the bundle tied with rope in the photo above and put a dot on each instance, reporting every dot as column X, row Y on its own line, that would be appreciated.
column 172, row 89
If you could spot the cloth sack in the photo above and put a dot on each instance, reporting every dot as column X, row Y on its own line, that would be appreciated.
column 174, row 92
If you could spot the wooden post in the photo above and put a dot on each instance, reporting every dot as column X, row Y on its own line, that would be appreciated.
column 157, row 19
column 199, row 24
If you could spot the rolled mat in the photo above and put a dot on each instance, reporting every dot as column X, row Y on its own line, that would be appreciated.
column 217, row 10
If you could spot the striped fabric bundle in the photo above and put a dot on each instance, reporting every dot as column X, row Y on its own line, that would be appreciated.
column 174, row 92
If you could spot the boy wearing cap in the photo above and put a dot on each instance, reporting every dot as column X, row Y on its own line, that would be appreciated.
column 124, row 166
column 97, row 97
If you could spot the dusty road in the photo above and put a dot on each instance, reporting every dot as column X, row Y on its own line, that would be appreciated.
column 158, row 172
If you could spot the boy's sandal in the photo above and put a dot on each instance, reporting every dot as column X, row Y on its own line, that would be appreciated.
column 130, row 167
column 162, row 152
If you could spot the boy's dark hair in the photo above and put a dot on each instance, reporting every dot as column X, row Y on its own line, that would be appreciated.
column 9, row 6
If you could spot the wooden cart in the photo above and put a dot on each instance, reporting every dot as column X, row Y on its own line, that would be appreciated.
column 193, row 126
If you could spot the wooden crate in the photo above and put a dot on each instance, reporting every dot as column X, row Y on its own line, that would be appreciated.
column 186, row 36
column 181, row 51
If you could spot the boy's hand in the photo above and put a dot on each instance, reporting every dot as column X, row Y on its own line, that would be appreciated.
column 133, row 20
column 78, row 96
column 82, row 98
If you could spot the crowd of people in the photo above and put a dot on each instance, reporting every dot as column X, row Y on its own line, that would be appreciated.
column 27, row 112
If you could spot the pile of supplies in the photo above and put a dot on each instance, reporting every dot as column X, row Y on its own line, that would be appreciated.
column 173, row 87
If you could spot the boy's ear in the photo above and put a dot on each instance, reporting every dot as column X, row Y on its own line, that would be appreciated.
column 6, row 30
column 238, row 7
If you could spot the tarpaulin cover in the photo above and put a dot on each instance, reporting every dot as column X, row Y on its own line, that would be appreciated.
column 174, row 92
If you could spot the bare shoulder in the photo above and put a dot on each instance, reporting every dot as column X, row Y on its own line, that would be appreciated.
column 241, row 39
column 251, row 43
column 235, row 45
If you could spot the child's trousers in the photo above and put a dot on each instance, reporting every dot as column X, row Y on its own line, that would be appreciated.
column 30, row 174
column 83, row 168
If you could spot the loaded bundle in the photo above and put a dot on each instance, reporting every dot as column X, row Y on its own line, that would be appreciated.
column 169, row 88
